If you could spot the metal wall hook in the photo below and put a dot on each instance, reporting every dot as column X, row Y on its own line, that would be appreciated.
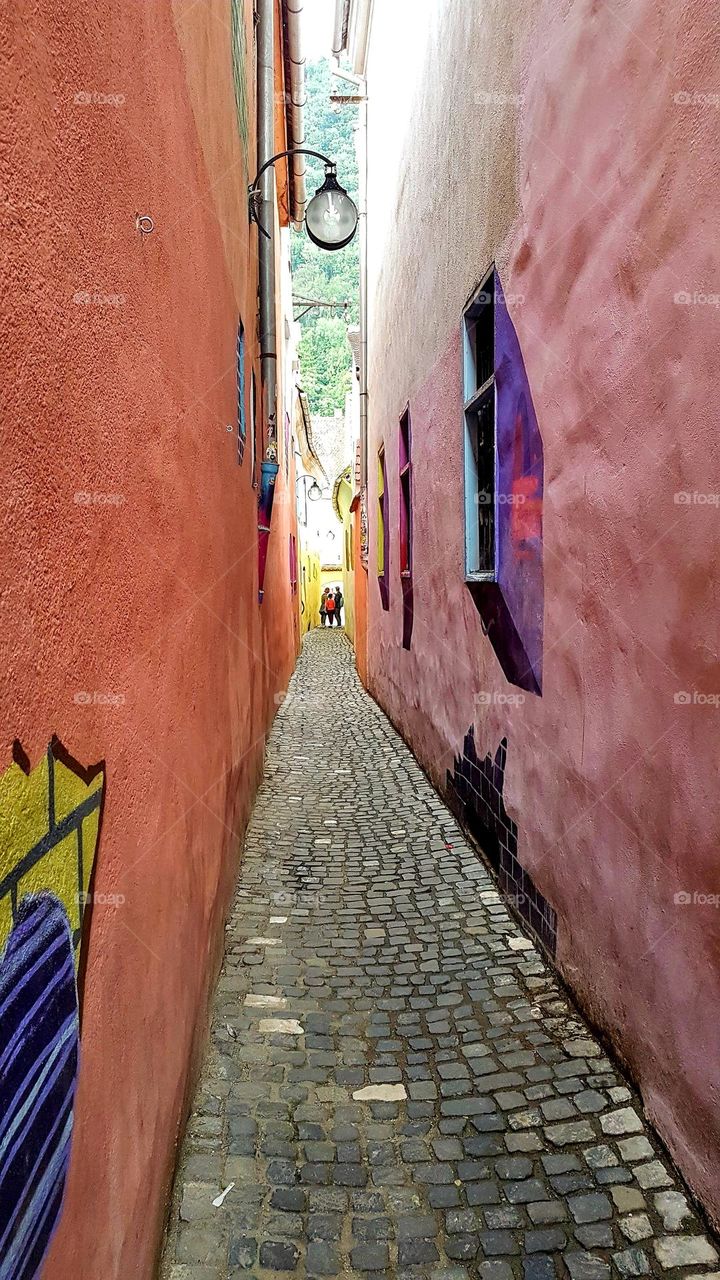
column 144, row 224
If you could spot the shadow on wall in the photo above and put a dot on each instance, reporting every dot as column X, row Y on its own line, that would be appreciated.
column 475, row 793
column 49, row 827
column 512, row 607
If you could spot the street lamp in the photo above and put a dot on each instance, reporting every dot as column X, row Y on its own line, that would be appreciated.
column 331, row 217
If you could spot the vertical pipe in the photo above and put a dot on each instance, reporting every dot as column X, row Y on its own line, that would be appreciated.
column 363, row 177
column 266, row 262
column 266, row 247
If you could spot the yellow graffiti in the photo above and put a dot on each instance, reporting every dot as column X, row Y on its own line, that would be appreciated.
column 49, row 822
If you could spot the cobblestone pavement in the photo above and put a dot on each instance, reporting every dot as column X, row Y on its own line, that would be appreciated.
column 396, row 1085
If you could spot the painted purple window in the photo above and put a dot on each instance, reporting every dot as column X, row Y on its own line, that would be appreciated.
column 406, row 524
column 240, row 371
column 405, row 496
column 504, row 480
column 383, row 557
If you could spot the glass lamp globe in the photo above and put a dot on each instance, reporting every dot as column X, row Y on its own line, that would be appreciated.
column 331, row 217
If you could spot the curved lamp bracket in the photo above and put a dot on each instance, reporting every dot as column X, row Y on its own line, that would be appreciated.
column 255, row 194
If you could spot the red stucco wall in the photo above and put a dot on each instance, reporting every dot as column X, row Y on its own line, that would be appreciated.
column 148, row 588
column 606, row 213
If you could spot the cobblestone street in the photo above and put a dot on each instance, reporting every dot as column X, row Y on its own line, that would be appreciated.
column 396, row 1085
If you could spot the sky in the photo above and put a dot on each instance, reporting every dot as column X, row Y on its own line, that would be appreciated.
column 317, row 19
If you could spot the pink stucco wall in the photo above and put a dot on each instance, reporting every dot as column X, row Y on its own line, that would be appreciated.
column 583, row 159
column 147, row 590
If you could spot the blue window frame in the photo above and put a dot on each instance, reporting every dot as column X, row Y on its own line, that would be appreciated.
column 478, row 346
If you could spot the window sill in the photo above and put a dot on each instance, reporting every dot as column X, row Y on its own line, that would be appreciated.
column 486, row 575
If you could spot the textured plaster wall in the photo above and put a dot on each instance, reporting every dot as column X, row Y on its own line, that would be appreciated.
column 555, row 144
column 146, row 587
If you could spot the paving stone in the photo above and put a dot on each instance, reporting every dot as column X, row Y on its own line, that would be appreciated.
column 684, row 1251
column 322, row 1259
column 673, row 1208
column 631, row 1262
column 413, row 1253
column 539, row 1267
column 495, row 1269
column 242, row 1252
column 370, row 1257
column 494, row 1242
column 626, row 1120
column 513, row 1167
column 545, row 1240
column 547, row 1211
column 585, row 1266
column 636, row 1226
column 574, row 1131
column 595, row 1235
column 652, row 1175
column 324, row 1226
column 279, row 1256
column 627, row 1199
column 590, row 1208
column 632, row 1149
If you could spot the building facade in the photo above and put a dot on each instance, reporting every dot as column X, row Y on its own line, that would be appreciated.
column 541, row 463
column 140, row 672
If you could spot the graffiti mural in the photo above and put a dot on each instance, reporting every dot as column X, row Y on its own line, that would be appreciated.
column 475, row 793
column 49, row 827
column 512, row 607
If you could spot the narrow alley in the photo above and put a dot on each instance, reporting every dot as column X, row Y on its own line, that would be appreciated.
column 396, row 1084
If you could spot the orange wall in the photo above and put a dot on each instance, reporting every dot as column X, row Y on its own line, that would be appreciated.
column 146, row 587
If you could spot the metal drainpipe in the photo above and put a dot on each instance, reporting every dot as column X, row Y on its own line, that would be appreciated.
column 266, row 245
column 295, row 81
column 362, row 133
column 266, row 261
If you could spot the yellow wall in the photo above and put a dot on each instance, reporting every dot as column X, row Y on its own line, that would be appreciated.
column 342, row 500
column 49, row 823
column 310, row 587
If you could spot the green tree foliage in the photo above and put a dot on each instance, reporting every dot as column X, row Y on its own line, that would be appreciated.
column 325, row 365
column 325, row 357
